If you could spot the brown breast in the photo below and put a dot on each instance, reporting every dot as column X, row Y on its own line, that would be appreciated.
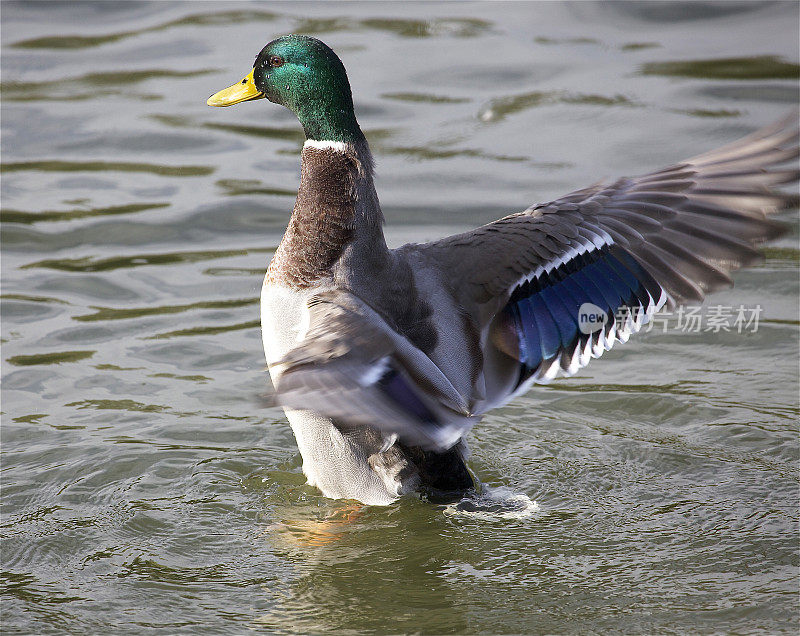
column 323, row 221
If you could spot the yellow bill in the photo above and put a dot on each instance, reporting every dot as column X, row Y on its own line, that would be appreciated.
column 239, row 92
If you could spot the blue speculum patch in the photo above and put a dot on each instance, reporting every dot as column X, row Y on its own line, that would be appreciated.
column 545, row 310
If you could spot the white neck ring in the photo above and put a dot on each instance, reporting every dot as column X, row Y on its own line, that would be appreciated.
column 338, row 146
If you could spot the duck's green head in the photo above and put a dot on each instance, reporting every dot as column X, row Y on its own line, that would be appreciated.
column 307, row 77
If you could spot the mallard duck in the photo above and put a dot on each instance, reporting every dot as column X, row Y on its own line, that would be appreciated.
column 383, row 359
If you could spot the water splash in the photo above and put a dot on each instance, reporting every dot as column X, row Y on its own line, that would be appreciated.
column 493, row 504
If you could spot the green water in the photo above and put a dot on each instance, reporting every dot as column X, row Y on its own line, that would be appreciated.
column 149, row 484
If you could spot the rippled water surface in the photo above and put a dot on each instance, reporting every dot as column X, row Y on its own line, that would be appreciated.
column 148, row 481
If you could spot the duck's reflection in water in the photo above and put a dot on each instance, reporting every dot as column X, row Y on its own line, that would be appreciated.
column 333, row 526
column 349, row 561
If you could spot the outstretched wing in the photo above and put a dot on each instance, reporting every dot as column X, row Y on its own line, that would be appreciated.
column 559, row 283
column 352, row 367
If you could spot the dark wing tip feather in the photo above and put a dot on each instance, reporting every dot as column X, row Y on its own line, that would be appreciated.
column 712, row 210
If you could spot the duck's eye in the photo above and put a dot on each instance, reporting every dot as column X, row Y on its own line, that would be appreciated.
column 275, row 61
